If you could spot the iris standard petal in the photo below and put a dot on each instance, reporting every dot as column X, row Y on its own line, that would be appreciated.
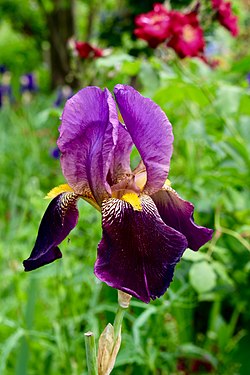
column 138, row 252
column 88, row 136
column 178, row 214
column 59, row 219
column 151, row 132
column 120, row 165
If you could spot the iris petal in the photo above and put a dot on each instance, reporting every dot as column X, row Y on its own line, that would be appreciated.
column 88, row 135
column 178, row 214
column 120, row 164
column 138, row 252
column 151, row 132
column 59, row 219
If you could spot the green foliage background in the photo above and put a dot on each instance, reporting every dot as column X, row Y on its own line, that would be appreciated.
column 204, row 316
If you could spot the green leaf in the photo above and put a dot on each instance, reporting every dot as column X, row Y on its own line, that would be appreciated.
column 202, row 277
column 228, row 99
column 190, row 350
column 8, row 346
column 222, row 272
column 131, row 68
column 194, row 256
column 245, row 105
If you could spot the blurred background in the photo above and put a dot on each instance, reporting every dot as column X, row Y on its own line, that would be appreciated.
column 193, row 59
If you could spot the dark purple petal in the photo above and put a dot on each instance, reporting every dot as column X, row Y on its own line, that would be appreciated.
column 138, row 252
column 151, row 132
column 88, row 135
column 178, row 214
column 59, row 219
column 120, row 165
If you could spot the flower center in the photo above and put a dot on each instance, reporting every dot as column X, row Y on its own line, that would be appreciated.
column 157, row 18
column 134, row 200
column 188, row 33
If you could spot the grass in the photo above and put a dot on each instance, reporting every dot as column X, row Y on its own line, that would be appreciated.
column 44, row 314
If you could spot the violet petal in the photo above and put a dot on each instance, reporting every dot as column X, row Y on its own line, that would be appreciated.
column 88, row 135
column 138, row 252
column 59, row 219
column 151, row 132
column 120, row 164
column 178, row 214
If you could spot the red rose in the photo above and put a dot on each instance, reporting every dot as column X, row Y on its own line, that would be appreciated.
column 86, row 51
column 187, row 37
column 225, row 16
column 153, row 26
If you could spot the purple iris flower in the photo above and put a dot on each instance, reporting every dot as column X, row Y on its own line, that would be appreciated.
column 28, row 83
column 248, row 79
column 2, row 69
column 64, row 93
column 146, row 225
column 55, row 153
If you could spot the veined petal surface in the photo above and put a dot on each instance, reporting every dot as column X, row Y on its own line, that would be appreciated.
column 151, row 132
column 138, row 252
column 88, row 135
column 59, row 219
column 120, row 164
column 178, row 214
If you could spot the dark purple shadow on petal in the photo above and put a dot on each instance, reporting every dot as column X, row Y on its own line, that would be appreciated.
column 151, row 132
column 120, row 164
column 138, row 252
column 59, row 219
column 178, row 214
column 88, row 135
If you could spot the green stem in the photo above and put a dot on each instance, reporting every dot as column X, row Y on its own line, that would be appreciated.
column 91, row 353
column 23, row 353
column 228, row 231
column 118, row 321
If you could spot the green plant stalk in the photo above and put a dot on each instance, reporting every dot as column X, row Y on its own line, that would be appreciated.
column 91, row 353
column 228, row 231
column 118, row 321
column 23, row 353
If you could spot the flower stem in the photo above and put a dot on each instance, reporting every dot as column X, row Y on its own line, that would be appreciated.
column 118, row 321
column 91, row 353
column 123, row 304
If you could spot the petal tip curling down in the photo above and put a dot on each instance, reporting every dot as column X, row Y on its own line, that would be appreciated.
column 59, row 219
column 31, row 264
column 178, row 214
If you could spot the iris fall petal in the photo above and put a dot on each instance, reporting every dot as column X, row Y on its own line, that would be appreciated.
column 151, row 132
column 178, row 214
column 138, row 252
column 59, row 219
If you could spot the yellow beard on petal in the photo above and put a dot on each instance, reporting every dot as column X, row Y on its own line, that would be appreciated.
column 58, row 190
column 134, row 200
column 167, row 183
column 65, row 188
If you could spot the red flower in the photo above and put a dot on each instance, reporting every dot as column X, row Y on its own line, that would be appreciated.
column 186, row 35
column 181, row 31
column 86, row 51
column 225, row 16
column 153, row 26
